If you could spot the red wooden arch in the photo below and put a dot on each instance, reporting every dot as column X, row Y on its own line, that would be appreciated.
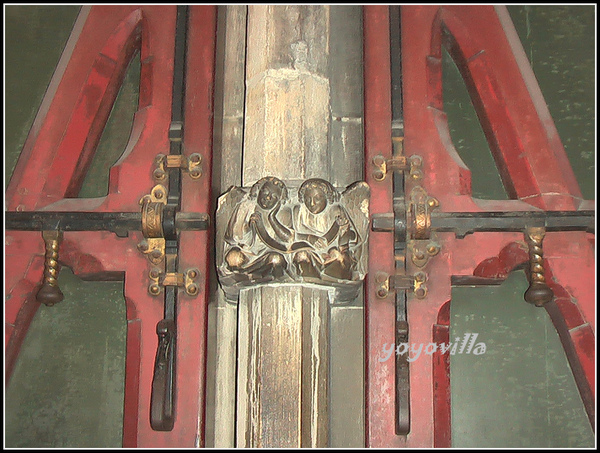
column 534, row 168
column 54, row 161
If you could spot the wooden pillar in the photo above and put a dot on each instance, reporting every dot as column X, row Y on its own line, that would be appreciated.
column 282, row 330
column 293, row 128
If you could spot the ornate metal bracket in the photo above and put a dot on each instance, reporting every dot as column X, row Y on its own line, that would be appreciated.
column 410, row 165
column 414, row 283
column 186, row 280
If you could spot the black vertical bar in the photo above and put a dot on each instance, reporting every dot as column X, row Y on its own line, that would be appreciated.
column 162, row 402
column 179, row 64
column 402, row 390
column 396, row 65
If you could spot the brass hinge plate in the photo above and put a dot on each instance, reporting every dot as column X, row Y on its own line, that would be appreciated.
column 191, row 165
column 392, row 283
column 186, row 280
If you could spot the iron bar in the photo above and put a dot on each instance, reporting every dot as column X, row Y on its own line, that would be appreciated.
column 402, row 382
column 162, row 402
column 119, row 223
column 463, row 223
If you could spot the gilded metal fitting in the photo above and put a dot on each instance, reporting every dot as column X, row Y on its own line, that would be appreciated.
column 186, row 280
column 410, row 165
column 191, row 164
column 538, row 293
column 50, row 294
column 419, row 213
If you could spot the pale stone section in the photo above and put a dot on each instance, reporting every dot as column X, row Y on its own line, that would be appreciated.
column 315, row 367
column 221, row 374
column 282, row 367
column 230, row 98
column 287, row 124
column 273, row 30
column 346, row 149
column 287, row 94
column 346, row 144
column 283, row 330
column 227, row 171
column 346, row 371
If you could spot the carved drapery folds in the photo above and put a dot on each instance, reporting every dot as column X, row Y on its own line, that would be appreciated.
column 310, row 235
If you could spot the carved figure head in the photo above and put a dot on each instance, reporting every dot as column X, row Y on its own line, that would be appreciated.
column 269, row 191
column 316, row 194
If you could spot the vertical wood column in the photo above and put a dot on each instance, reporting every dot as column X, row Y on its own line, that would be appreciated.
column 295, row 126
column 283, row 329
column 226, row 172
column 283, row 367
column 287, row 93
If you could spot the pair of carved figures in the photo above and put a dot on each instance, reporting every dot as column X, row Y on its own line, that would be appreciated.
column 269, row 238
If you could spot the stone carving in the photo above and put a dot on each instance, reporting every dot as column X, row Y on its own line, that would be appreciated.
column 319, row 237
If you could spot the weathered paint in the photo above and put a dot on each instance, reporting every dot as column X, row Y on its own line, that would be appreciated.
column 534, row 169
column 53, row 164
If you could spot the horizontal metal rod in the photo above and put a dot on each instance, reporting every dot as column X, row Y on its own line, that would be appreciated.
column 463, row 223
column 119, row 223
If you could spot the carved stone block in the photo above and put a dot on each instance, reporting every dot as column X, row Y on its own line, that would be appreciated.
column 314, row 235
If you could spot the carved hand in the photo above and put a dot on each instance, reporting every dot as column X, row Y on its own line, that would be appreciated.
column 342, row 221
column 316, row 241
column 255, row 218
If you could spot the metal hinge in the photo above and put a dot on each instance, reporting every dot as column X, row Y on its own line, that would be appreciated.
column 153, row 245
column 189, row 164
column 186, row 280
column 411, row 165
column 392, row 283
column 398, row 162
column 417, row 227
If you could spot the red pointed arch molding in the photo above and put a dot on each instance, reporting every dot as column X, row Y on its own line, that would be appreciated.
column 54, row 161
column 534, row 168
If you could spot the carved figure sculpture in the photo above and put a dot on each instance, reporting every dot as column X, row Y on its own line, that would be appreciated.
column 255, row 239
column 319, row 239
column 324, row 226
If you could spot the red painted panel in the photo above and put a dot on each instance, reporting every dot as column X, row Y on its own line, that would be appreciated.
column 532, row 163
column 54, row 161
column 442, row 432
column 379, row 313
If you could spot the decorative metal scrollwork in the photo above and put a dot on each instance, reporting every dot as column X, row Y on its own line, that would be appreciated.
column 319, row 237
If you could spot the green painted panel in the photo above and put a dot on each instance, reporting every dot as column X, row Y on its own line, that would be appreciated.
column 68, row 384
column 467, row 135
column 116, row 134
column 521, row 393
column 560, row 43
column 35, row 38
